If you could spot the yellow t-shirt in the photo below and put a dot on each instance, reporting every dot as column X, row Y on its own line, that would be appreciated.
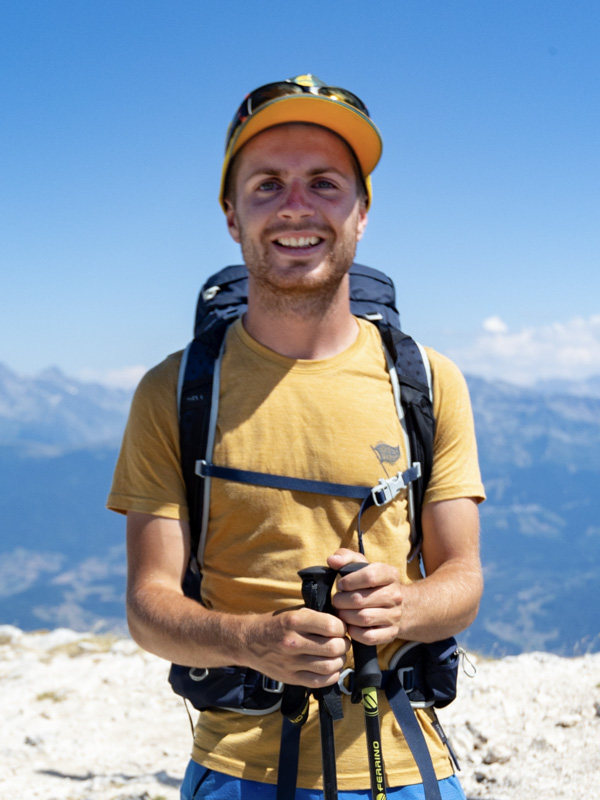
column 330, row 420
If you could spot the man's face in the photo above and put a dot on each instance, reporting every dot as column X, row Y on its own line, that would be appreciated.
column 296, row 210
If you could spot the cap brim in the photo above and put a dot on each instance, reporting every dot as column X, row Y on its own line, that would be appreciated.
column 351, row 125
column 357, row 129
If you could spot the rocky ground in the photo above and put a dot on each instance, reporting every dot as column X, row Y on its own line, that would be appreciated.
column 79, row 722
column 528, row 727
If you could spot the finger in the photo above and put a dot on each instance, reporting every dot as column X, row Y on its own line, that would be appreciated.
column 306, row 622
column 363, row 598
column 325, row 670
column 344, row 556
column 385, row 597
column 372, row 617
column 366, row 618
column 313, row 680
column 321, row 666
column 379, row 635
column 319, row 647
column 373, row 576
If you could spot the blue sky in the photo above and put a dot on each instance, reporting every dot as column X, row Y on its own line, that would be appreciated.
column 486, row 204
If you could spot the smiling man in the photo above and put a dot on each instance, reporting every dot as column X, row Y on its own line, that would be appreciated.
column 305, row 392
column 298, row 211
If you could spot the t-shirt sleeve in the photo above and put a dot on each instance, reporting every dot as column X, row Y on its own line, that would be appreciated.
column 148, row 475
column 456, row 466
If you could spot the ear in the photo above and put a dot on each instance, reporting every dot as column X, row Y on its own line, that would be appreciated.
column 361, row 225
column 232, row 223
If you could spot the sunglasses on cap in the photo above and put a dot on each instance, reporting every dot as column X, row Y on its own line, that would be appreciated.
column 273, row 91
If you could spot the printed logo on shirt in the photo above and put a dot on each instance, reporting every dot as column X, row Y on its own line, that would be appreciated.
column 386, row 454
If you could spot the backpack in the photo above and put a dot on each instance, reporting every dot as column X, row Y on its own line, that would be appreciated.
column 222, row 299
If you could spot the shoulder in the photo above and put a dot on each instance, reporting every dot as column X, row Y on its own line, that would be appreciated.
column 446, row 375
column 451, row 400
column 158, row 387
column 369, row 336
column 166, row 370
column 455, row 466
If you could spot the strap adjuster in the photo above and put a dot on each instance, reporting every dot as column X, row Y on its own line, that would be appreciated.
column 388, row 488
column 406, row 676
column 271, row 685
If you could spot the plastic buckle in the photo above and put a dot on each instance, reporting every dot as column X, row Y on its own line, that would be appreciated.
column 383, row 493
column 272, row 686
column 388, row 488
column 343, row 675
column 373, row 317
column 200, row 468
column 210, row 293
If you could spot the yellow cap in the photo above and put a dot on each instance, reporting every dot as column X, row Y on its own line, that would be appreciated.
column 329, row 111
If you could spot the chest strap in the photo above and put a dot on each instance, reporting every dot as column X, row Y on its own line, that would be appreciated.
column 381, row 494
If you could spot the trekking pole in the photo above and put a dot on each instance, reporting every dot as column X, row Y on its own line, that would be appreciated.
column 317, row 583
column 367, row 679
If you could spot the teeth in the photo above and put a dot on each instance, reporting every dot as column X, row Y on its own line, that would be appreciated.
column 300, row 241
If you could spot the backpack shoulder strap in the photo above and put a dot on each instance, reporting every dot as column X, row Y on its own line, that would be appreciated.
column 412, row 384
column 222, row 299
column 198, row 402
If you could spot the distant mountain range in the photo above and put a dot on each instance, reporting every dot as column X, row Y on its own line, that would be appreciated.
column 540, row 459
column 62, row 556
column 52, row 413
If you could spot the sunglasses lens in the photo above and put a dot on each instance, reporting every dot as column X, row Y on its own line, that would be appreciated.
column 344, row 96
column 264, row 94
column 273, row 91
column 258, row 98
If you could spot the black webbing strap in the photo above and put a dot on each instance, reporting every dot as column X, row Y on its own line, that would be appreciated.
column 294, row 707
column 289, row 755
column 206, row 470
column 370, row 496
column 405, row 716
column 407, row 719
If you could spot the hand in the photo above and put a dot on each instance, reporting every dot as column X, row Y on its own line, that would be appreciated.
column 298, row 646
column 369, row 600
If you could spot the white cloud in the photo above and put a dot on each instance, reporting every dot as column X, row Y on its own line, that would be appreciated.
column 495, row 325
column 121, row 378
column 568, row 350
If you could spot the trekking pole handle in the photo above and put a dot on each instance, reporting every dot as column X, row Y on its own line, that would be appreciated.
column 367, row 673
column 317, row 583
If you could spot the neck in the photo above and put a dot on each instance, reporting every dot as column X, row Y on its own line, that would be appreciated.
column 301, row 327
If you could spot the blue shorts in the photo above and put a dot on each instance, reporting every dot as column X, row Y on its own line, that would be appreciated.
column 200, row 783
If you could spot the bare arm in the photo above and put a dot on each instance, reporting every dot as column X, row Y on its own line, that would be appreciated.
column 377, row 608
column 296, row 646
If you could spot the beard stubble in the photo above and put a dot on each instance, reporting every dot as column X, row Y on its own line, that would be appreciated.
column 291, row 291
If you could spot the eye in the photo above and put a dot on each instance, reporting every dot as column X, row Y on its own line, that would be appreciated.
column 268, row 185
column 323, row 183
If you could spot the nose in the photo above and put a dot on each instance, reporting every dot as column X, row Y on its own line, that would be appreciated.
column 296, row 202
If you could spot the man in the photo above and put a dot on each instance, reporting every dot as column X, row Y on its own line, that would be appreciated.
column 305, row 392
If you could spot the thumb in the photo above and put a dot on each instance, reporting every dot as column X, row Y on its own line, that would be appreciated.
column 344, row 556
